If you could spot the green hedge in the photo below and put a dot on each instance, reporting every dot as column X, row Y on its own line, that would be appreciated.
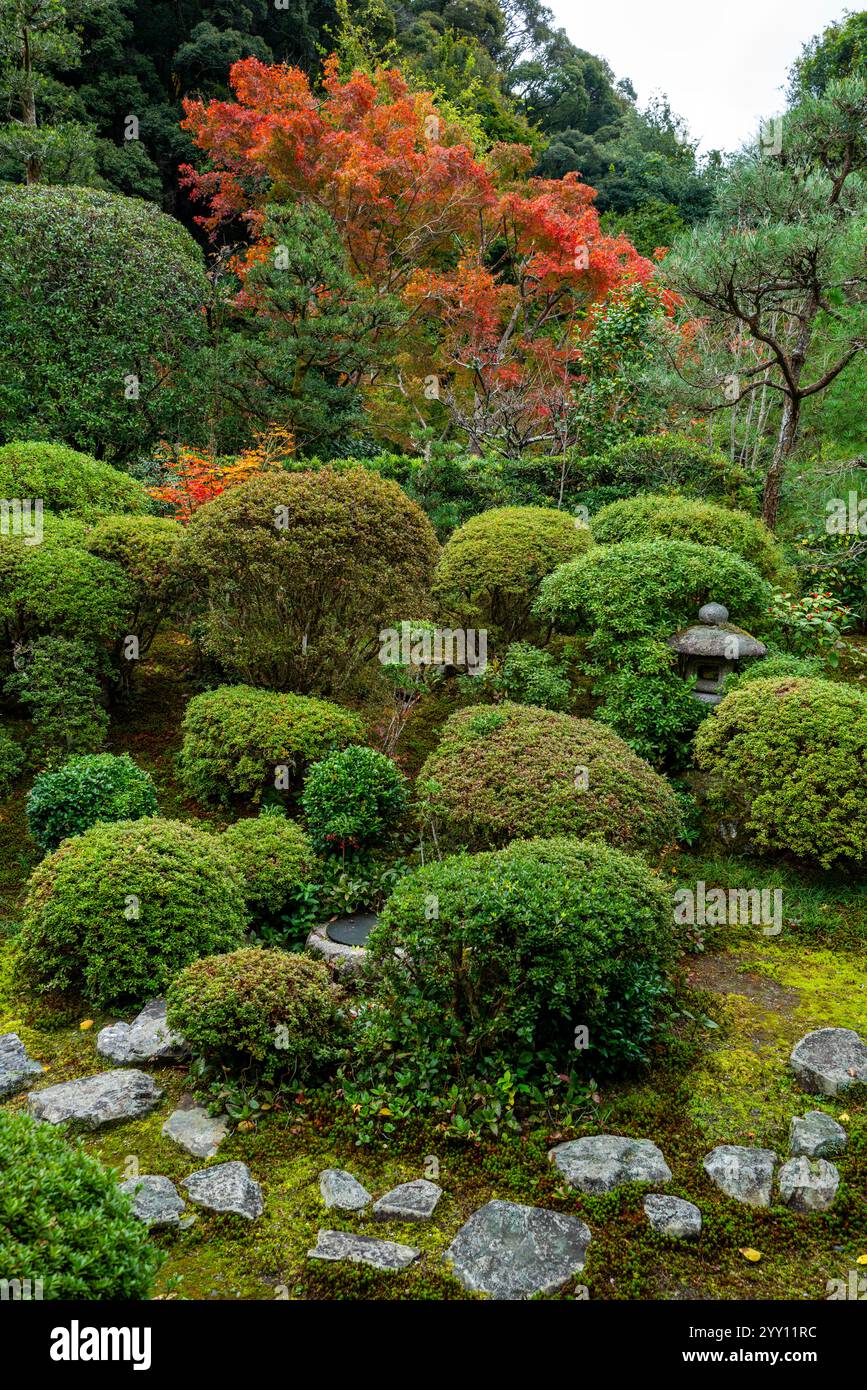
column 68, row 481
column 656, row 517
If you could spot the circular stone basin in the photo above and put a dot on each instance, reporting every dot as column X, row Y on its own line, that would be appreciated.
column 352, row 931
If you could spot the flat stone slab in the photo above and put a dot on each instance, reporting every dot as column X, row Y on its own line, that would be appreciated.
column 155, row 1200
column 672, row 1216
column 146, row 1039
column 363, row 1250
column 16, row 1067
column 745, row 1174
column 808, row 1184
column 605, row 1161
column 509, row 1251
column 93, row 1101
column 816, row 1135
column 226, row 1187
column 197, row 1132
column 411, row 1201
column 829, row 1060
column 340, row 1189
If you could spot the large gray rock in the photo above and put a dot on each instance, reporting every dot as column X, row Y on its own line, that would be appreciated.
column 94, row 1101
column 340, row 1189
column 672, row 1216
column 146, row 1039
column 605, row 1161
column 745, row 1174
column 16, row 1068
column 226, row 1187
column 155, row 1200
column 511, row 1252
column 829, row 1060
column 808, row 1184
column 197, row 1132
column 411, row 1201
column 816, row 1135
column 365, row 1250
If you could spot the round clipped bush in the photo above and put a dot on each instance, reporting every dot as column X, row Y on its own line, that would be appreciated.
column 11, row 763
column 516, row 771
column 64, row 1224
column 274, row 858
column 99, row 787
column 654, row 517
column 113, row 914
column 300, row 571
column 353, row 798
column 238, row 742
column 269, row 1010
column 490, row 569
column 147, row 549
column 788, row 758
column 773, row 666
column 68, row 481
column 58, row 589
column 527, row 941
column 666, row 463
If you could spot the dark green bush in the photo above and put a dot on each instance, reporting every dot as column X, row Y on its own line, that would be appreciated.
column 660, row 517
column 11, row 763
column 650, row 705
column 68, row 481
column 530, row 676
column 57, row 589
column 661, row 463
column 64, row 1222
column 59, row 684
column 275, row 860
column 353, row 798
column 115, row 913
column 86, row 790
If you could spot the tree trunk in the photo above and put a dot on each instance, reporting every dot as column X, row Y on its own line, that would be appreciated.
column 785, row 443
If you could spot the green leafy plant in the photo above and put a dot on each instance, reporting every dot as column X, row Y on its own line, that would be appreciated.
column 527, row 675
column 11, row 763
column 68, row 481
column 650, row 705
column 278, row 868
column 59, row 684
column 85, row 790
column 353, row 798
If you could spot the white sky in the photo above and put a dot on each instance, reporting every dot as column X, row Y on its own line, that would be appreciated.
column 722, row 63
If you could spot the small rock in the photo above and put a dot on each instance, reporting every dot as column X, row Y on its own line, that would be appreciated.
column 146, row 1039
column 155, row 1200
column 672, row 1216
column 94, row 1101
column 808, row 1184
column 411, row 1201
column 365, row 1250
column 512, row 1252
column 16, row 1068
column 816, row 1135
column 199, row 1133
column 744, row 1174
column 340, row 1189
column 605, row 1161
column 829, row 1060
column 226, row 1187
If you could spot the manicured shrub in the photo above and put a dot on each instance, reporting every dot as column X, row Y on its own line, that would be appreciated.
column 238, row 742
column 773, row 666
column 659, row 517
column 275, row 860
column 662, row 463
column 67, row 480
column 649, row 704
column 86, row 790
column 353, row 798
column 58, row 683
column 489, row 572
column 147, row 549
column 787, row 757
column 64, row 1222
column 267, row 1010
column 115, row 913
column 57, row 589
column 515, row 771
column 300, row 571
column 11, row 763
column 526, row 943
column 530, row 676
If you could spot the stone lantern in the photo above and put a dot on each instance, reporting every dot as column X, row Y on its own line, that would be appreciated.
column 710, row 649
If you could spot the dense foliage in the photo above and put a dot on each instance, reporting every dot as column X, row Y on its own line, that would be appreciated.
column 655, row 517
column 353, row 798
column 85, row 790
column 67, row 481
column 275, row 860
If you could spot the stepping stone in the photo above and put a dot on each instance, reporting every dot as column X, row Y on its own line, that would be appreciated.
column 816, row 1135
column 411, row 1201
column 606, row 1161
column 226, row 1187
column 16, row 1068
column 199, row 1133
column 155, row 1200
column 512, row 1252
column 94, row 1101
column 362, row 1250
column 829, row 1060
column 146, row 1039
column 340, row 1189
column 745, row 1174
column 672, row 1216
column 808, row 1184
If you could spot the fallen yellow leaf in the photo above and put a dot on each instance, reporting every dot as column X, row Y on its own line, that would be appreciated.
column 861, row 1260
column 85, row 1024
column 385, row 1110
column 844, row 1117
column 752, row 1255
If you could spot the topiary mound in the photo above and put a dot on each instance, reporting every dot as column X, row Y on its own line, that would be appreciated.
column 788, row 757
column 525, row 945
column 67, row 481
column 99, row 787
column 148, row 550
column 238, row 742
column 489, row 572
column 656, row 517
column 663, row 463
column 353, row 798
column 271, row 1010
column 274, row 858
column 64, row 1222
column 772, row 666
column 115, row 913
column 516, row 771
column 58, row 589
